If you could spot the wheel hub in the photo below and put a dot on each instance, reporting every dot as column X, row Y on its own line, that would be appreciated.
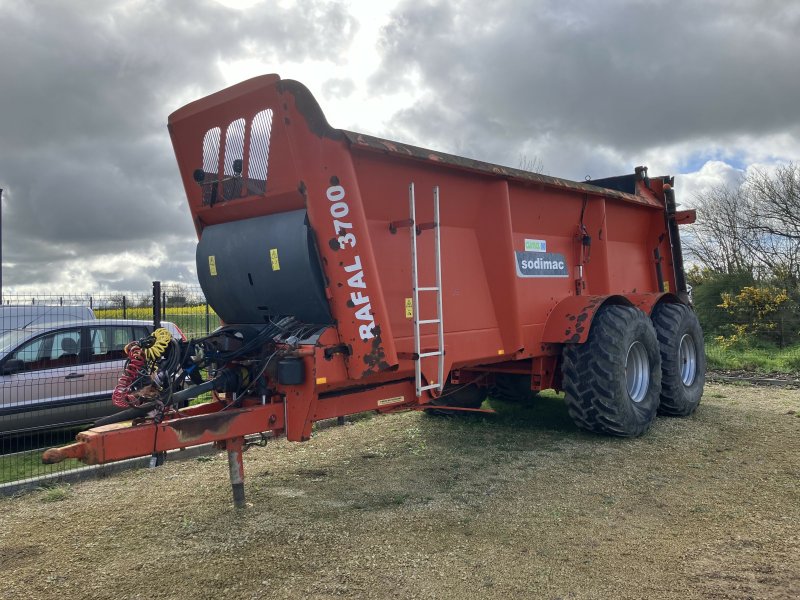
column 637, row 371
column 687, row 357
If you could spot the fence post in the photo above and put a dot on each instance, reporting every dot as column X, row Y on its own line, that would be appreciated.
column 208, row 323
column 156, row 304
column 164, row 305
column 124, row 307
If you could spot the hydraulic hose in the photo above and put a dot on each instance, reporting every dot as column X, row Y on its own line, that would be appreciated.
column 193, row 392
column 126, row 415
column 121, row 397
column 162, row 340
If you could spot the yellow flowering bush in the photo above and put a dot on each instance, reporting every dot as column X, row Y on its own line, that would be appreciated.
column 756, row 313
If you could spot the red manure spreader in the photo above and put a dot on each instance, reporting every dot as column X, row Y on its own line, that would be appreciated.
column 359, row 274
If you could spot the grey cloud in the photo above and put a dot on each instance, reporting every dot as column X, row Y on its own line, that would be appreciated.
column 85, row 157
column 626, row 75
column 338, row 88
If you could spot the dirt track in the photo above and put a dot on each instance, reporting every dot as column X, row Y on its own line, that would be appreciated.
column 409, row 506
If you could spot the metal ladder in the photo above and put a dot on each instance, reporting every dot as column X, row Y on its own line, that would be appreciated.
column 439, row 351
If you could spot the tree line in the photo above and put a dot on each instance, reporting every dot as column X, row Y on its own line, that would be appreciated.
column 744, row 252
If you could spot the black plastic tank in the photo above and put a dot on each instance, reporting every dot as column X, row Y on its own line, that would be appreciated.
column 263, row 268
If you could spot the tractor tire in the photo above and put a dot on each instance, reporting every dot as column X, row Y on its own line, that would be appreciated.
column 612, row 382
column 512, row 388
column 460, row 396
column 683, row 359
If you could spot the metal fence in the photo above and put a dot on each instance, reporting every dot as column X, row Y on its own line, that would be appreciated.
column 62, row 355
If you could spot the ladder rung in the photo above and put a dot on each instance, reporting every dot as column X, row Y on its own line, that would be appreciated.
column 437, row 288
column 428, row 387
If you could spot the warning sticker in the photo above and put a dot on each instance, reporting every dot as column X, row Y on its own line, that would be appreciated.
column 541, row 264
column 212, row 265
column 395, row 400
column 409, row 308
column 273, row 256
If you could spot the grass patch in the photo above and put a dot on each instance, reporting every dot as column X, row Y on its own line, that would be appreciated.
column 545, row 411
column 25, row 465
column 56, row 493
column 702, row 507
column 761, row 360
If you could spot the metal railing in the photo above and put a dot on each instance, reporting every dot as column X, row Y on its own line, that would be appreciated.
column 62, row 354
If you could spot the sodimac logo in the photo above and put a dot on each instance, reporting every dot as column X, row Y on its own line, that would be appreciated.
column 541, row 264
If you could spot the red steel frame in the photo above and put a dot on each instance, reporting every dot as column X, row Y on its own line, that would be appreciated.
column 494, row 320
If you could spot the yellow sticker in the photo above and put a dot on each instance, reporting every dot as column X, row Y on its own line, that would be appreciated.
column 273, row 256
column 322, row 380
column 212, row 265
column 395, row 400
column 666, row 286
column 500, row 352
column 409, row 308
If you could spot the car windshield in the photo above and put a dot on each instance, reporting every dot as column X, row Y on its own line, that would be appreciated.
column 9, row 339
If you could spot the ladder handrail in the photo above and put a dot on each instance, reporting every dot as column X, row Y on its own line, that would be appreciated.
column 416, row 289
column 438, row 253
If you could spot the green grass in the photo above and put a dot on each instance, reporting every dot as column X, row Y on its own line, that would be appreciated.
column 546, row 411
column 55, row 494
column 193, row 325
column 24, row 465
column 760, row 360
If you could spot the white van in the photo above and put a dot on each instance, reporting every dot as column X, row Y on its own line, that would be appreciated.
column 20, row 316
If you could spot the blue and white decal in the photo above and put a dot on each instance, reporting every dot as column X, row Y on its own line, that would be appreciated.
column 541, row 264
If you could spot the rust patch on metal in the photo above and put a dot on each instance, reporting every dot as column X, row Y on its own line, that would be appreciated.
column 376, row 358
column 369, row 142
column 308, row 106
column 191, row 428
column 334, row 244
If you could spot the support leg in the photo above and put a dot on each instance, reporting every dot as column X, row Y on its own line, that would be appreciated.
column 236, row 468
column 157, row 459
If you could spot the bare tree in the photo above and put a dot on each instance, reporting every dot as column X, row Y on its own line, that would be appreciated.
column 753, row 228
column 775, row 216
column 776, row 201
column 722, row 240
column 534, row 165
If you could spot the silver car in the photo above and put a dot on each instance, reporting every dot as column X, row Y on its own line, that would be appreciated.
column 63, row 375
column 19, row 316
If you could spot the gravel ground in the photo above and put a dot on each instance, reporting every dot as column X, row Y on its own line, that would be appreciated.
column 517, row 505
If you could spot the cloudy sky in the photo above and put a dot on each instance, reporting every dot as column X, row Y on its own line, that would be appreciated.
column 699, row 89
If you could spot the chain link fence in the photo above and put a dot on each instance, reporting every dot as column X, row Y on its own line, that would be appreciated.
column 61, row 357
